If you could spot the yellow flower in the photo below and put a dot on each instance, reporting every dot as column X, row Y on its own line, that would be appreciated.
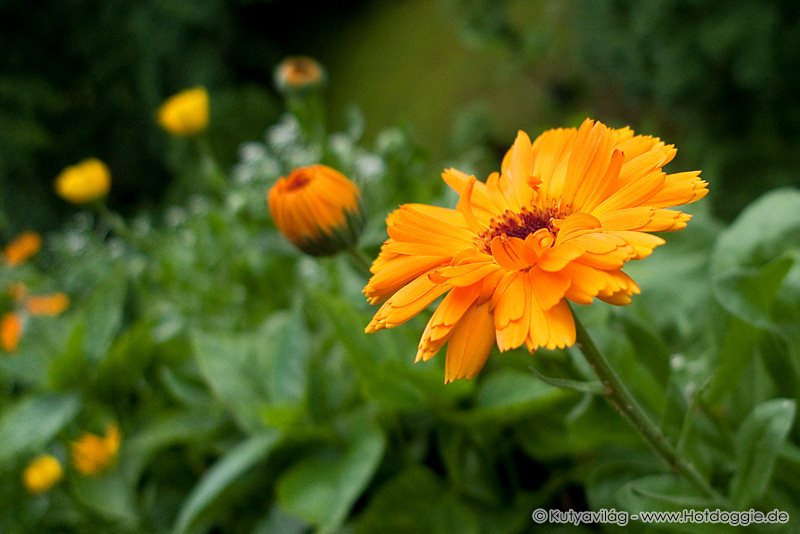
column 318, row 209
column 557, row 223
column 42, row 473
column 84, row 182
column 53, row 304
column 185, row 113
column 22, row 248
column 91, row 454
column 10, row 331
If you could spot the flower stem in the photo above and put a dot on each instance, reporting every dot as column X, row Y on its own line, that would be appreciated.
column 361, row 260
column 622, row 400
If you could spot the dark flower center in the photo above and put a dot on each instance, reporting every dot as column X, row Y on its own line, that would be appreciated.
column 518, row 224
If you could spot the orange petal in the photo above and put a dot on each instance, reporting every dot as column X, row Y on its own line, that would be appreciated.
column 470, row 344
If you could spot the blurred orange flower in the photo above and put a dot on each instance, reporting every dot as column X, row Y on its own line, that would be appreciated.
column 318, row 209
column 10, row 331
column 185, row 113
column 22, row 248
column 53, row 304
column 557, row 223
column 91, row 454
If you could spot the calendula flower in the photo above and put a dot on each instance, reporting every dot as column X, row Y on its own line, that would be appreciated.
column 298, row 73
column 557, row 223
column 10, row 331
column 42, row 473
column 91, row 454
column 318, row 209
column 185, row 113
column 22, row 248
column 84, row 182
column 53, row 304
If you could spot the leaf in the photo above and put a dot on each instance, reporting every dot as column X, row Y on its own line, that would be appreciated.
column 284, row 340
column 660, row 492
column 508, row 394
column 416, row 500
column 322, row 488
column 767, row 228
column 102, row 313
column 111, row 495
column 33, row 421
column 758, row 442
column 235, row 374
column 749, row 294
column 581, row 386
column 222, row 475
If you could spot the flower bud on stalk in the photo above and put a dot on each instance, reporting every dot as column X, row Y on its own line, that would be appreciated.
column 301, row 80
column 318, row 209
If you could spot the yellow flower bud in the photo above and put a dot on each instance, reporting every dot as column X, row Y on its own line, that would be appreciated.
column 185, row 113
column 91, row 454
column 318, row 209
column 42, row 473
column 85, row 182
column 26, row 245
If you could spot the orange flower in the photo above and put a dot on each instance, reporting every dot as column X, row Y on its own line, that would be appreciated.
column 557, row 223
column 54, row 304
column 318, row 209
column 42, row 473
column 91, row 454
column 26, row 245
column 10, row 331
column 297, row 73
column 185, row 113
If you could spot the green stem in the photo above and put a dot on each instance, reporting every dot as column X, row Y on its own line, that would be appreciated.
column 622, row 400
column 362, row 261
column 114, row 221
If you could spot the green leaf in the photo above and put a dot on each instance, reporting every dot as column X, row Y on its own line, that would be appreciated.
column 222, row 475
column 33, row 421
column 164, row 430
column 111, row 495
column 660, row 492
column 749, row 294
column 758, row 442
column 765, row 230
column 415, row 501
column 382, row 375
column 102, row 313
column 322, row 488
column 508, row 394
column 284, row 340
column 232, row 368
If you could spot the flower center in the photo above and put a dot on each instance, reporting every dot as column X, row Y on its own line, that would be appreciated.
column 521, row 225
column 297, row 180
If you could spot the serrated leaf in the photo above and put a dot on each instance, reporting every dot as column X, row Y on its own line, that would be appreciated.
column 758, row 442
